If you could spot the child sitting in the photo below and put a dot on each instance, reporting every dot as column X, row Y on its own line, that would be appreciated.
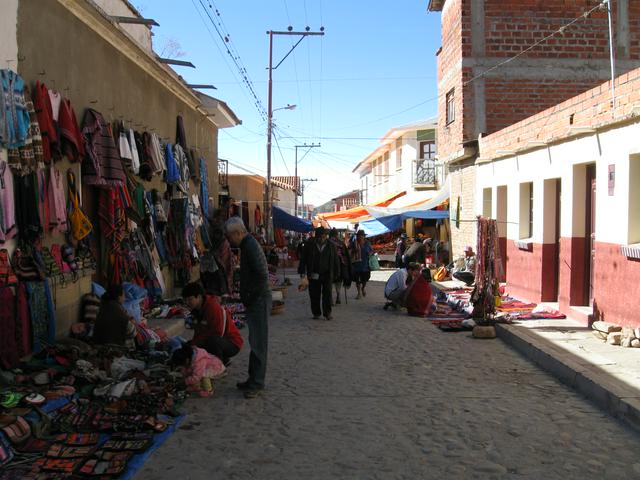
column 199, row 368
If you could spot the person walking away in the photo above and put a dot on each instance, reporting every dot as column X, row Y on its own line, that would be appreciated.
column 401, row 247
column 417, row 253
column 345, row 275
column 255, row 294
column 360, row 250
column 319, row 265
column 396, row 287
column 214, row 329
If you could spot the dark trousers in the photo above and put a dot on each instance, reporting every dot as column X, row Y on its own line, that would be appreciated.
column 399, row 262
column 221, row 347
column 320, row 288
column 257, row 316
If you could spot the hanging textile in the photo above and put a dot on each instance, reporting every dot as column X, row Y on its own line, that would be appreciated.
column 179, row 246
column 43, row 322
column 193, row 164
column 204, row 187
column 158, row 227
column 27, row 207
column 44, row 112
column 102, row 165
column 183, row 169
column 7, row 204
column 9, row 355
column 14, row 118
column 56, row 102
column 173, row 174
column 112, row 217
column 486, row 283
column 23, row 321
column 71, row 138
column 181, row 138
column 26, row 158
column 57, row 205
column 43, row 198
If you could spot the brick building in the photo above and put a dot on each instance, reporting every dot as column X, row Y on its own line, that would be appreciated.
column 565, row 183
column 478, row 95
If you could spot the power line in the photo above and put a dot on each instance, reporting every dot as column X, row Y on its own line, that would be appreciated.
column 226, row 40
column 560, row 30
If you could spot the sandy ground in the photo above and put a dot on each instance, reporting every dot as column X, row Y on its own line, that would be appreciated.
column 379, row 395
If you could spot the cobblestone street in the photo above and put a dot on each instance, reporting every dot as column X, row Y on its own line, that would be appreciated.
column 380, row 395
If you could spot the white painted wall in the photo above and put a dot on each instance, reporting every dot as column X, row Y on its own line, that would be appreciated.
column 140, row 33
column 568, row 162
column 400, row 179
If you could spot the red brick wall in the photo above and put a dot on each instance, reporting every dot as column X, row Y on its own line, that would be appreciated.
column 454, row 35
column 589, row 109
column 510, row 26
column 525, row 98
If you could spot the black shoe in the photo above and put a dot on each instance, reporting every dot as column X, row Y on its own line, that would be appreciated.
column 244, row 385
column 316, row 317
column 386, row 306
column 252, row 392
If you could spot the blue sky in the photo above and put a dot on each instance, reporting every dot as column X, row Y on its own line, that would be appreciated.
column 375, row 61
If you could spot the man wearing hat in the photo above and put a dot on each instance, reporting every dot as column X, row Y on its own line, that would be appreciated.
column 320, row 265
column 464, row 268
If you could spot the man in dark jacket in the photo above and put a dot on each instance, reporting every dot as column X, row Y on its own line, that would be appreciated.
column 256, row 297
column 320, row 264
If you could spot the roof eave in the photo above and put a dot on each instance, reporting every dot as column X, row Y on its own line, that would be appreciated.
column 435, row 5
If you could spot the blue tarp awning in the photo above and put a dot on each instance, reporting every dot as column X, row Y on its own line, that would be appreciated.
column 285, row 221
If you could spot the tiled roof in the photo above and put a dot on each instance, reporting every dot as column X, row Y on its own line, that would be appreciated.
column 288, row 183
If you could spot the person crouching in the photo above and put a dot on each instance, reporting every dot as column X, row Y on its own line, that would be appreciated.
column 214, row 329
column 396, row 287
column 199, row 368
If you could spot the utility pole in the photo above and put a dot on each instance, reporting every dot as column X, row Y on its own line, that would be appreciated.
column 271, row 33
column 304, row 214
column 313, row 145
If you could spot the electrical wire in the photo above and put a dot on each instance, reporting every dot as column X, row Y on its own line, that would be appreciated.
column 226, row 40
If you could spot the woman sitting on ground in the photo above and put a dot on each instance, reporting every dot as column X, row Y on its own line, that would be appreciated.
column 113, row 324
column 419, row 299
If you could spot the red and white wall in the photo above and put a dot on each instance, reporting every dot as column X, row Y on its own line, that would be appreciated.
column 552, row 150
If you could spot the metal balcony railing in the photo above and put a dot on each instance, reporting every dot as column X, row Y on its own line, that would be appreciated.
column 223, row 172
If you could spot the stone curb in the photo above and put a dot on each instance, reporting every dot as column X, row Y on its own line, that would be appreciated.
column 606, row 391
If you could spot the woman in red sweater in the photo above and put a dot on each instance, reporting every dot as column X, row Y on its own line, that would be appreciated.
column 419, row 299
column 214, row 329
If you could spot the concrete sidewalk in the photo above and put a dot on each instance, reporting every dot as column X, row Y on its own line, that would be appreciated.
column 607, row 375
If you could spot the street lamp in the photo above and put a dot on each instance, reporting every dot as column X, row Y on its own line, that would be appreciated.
column 288, row 107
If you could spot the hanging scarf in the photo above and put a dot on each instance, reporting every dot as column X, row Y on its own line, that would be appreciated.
column 70, row 134
column 102, row 165
column 26, row 158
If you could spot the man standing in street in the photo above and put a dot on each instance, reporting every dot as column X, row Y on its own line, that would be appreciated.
column 320, row 265
column 401, row 246
column 256, row 297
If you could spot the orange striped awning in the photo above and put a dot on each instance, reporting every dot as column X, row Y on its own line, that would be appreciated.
column 360, row 211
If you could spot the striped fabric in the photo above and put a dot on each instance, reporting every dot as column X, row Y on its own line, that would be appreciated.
column 102, row 165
